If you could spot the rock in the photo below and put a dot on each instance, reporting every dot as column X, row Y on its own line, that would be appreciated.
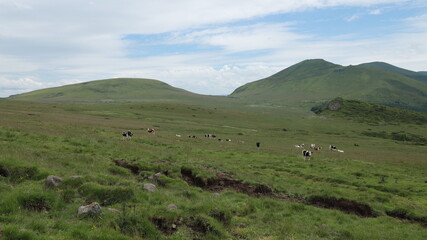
column 154, row 176
column 172, row 207
column 53, row 181
column 150, row 187
column 216, row 194
column 92, row 209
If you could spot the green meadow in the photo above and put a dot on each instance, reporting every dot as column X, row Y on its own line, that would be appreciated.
column 385, row 174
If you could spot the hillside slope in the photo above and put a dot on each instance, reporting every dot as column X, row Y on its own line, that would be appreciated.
column 118, row 90
column 421, row 76
column 318, row 81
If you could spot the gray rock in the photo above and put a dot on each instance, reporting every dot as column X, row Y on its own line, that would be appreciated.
column 216, row 194
column 172, row 207
column 150, row 187
column 154, row 176
column 92, row 209
column 53, row 181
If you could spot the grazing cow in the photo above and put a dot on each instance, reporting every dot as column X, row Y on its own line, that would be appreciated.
column 151, row 130
column 299, row 146
column 317, row 148
column 191, row 136
column 258, row 144
column 177, row 135
column 127, row 135
column 332, row 147
column 228, row 140
column 306, row 154
column 312, row 145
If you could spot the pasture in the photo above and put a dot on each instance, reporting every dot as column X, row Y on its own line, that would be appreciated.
column 222, row 190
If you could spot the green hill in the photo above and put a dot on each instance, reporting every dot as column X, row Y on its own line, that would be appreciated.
column 421, row 76
column 120, row 90
column 366, row 112
column 314, row 81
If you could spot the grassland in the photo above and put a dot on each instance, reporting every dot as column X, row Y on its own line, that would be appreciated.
column 83, row 140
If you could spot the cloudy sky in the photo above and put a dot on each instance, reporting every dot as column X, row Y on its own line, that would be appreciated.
column 204, row 46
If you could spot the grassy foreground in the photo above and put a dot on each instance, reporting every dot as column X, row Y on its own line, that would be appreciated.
column 38, row 140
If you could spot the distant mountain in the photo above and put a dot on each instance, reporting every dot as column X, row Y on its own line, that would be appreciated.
column 317, row 80
column 119, row 90
column 422, row 76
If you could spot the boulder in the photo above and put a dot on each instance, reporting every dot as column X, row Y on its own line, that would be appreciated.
column 172, row 207
column 150, row 187
column 53, row 181
column 92, row 209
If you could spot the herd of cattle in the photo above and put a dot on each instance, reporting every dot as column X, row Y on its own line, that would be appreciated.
column 306, row 154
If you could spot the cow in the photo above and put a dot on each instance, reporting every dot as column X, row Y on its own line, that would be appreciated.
column 151, row 130
column 258, row 144
column 177, row 135
column 312, row 145
column 192, row 136
column 317, row 148
column 127, row 135
column 299, row 146
column 306, row 154
column 332, row 147
column 228, row 140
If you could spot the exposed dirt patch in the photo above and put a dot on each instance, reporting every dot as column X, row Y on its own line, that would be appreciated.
column 403, row 215
column 123, row 163
column 4, row 172
column 37, row 206
column 164, row 225
column 223, row 182
column 226, row 182
column 345, row 205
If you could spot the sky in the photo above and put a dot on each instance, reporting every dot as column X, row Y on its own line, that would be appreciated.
column 206, row 47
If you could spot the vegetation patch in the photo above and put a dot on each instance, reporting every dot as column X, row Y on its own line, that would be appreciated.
column 106, row 195
column 398, row 136
column 21, row 173
column 370, row 113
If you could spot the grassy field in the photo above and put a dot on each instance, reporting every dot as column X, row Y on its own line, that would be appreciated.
column 299, row 199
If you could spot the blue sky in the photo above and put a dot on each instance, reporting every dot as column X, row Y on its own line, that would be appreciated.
column 207, row 47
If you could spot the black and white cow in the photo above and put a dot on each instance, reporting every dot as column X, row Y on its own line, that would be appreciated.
column 306, row 154
column 332, row 147
column 127, row 135
column 258, row 145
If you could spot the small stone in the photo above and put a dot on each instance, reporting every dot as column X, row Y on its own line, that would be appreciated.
column 173, row 225
column 172, row 207
column 53, row 181
column 92, row 209
column 150, row 187
column 155, row 176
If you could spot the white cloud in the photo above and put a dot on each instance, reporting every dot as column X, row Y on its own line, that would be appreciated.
column 375, row 12
column 352, row 18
